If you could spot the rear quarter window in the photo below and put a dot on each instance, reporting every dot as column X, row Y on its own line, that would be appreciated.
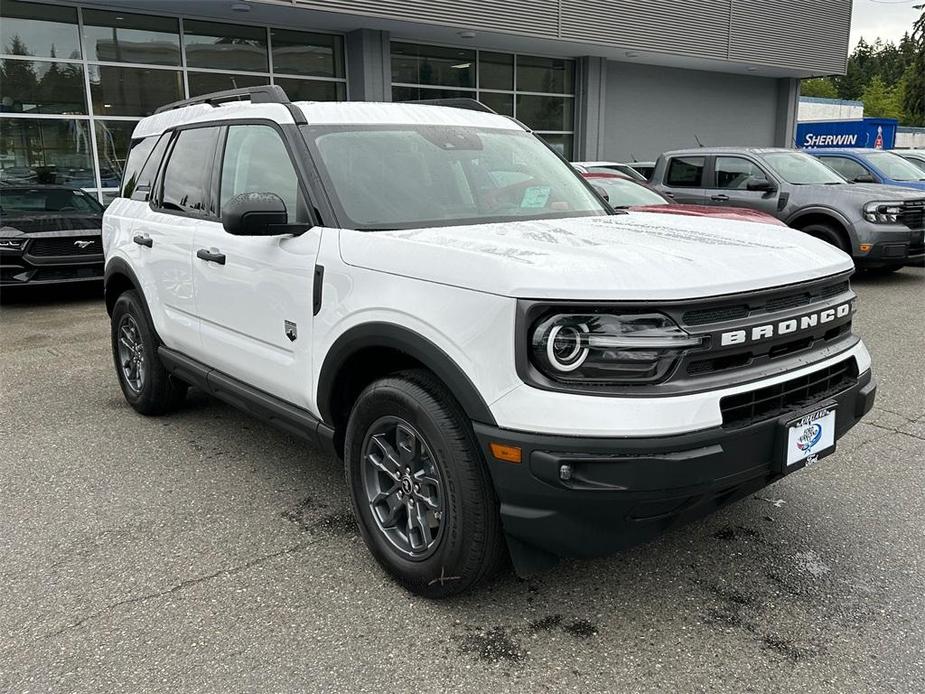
column 137, row 156
column 684, row 172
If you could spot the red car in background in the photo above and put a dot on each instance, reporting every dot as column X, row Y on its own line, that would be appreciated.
column 627, row 194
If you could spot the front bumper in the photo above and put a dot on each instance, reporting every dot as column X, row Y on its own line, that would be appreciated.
column 894, row 248
column 29, row 267
column 623, row 491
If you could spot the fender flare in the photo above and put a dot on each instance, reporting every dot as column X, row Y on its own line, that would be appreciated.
column 390, row 335
column 828, row 211
column 119, row 266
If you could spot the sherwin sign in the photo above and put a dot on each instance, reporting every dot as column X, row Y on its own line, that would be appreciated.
column 875, row 133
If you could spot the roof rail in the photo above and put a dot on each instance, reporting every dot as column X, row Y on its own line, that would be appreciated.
column 264, row 94
column 469, row 104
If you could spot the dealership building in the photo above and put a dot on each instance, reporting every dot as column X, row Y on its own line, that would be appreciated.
column 598, row 79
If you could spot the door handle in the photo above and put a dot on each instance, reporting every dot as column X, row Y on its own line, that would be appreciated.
column 719, row 198
column 143, row 240
column 211, row 255
column 670, row 195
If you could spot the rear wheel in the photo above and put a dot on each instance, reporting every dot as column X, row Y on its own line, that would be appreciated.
column 145, row 382
column 829, row 234
column 423, row 499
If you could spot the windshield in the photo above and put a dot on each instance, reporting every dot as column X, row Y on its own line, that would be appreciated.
column 402, row 177
column 46, row 201
column 895, row 167
column 625, row 193
column 801, row 169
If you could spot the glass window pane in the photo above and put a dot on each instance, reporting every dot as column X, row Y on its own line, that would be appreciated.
column 553, row 75
column 312, row 90
column 417, row 93
column 131, row 91
column 502, row 103
column 31, row 86
column 34, row 150
column 131, row 38
column 546, row 112
column 685, row 172
column 225, row 46
column 45, row 31
column 848, row 168
column 561, row 143
column 496, row 70
column 735, row 173
column 256, row 161
column 113, row 139
column 447, row 67
column 145, row 182
column 299, row 53
column 186, row 177
column 207, row 82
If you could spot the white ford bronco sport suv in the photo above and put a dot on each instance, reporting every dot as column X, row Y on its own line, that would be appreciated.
column 506, row 366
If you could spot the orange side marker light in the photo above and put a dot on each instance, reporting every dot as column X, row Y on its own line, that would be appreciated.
column 505, row 453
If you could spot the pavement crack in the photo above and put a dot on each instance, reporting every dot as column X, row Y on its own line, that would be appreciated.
column 895, row 431
column 182, row 585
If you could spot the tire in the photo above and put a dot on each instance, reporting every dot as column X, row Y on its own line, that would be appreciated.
column 829, row 234
column 462, row 543
column 147, row 386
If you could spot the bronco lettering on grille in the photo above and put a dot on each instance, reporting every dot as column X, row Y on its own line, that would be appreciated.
column 792, row 325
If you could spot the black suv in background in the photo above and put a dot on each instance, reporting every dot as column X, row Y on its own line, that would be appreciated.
column 880, row 226
column 49, row 234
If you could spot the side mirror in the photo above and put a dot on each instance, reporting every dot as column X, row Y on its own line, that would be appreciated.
column 864, row 178
column 603, row 193
column 760, row 184
column 255, row 214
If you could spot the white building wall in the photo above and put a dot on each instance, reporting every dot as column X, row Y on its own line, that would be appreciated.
column 816, row 109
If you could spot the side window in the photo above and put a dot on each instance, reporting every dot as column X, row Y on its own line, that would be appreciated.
column 144, row 182
column 848, row 168
column 734, row 173
column 685, row 172
column 137, row 156
column 187, row 174
column 256, row 161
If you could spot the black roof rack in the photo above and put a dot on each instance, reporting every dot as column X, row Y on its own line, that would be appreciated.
column 469, row 104
column 264, row 94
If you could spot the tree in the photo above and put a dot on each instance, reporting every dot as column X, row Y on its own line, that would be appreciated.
column 914, row 100
column 821, row 87
column 881, row 101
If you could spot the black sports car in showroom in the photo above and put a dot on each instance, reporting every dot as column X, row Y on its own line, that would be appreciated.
column 49, row 234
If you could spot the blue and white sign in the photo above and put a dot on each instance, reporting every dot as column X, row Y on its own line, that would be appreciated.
column 874, row 133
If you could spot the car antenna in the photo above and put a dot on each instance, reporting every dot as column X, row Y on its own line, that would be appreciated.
column 699, row 143
column 634, row 157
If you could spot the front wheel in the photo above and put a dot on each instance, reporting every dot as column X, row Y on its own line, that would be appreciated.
column 420, row 491
column 145, row 382
column 827, row 233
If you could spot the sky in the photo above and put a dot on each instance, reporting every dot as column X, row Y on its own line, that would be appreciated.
column 888, row 19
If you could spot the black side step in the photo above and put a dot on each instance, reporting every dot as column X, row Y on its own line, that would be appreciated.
column 262, row 405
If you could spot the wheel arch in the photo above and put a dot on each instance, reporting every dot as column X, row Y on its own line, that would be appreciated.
column 118, row 277
column 823, row 215
column 373, row 350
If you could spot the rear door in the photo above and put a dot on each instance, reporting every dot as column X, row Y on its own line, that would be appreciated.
column 684, row 179
column 729, row 179
column 254, row 298
column 850, row 168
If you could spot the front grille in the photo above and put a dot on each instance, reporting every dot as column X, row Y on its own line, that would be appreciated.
column 65, row 246
column 913, row 214
column 702, row 316
column 789, row 396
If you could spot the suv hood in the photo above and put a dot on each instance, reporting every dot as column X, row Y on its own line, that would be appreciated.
column 863, row 192
column 634, row 256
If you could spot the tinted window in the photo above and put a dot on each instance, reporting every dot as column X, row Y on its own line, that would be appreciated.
column 800, row 168
column 207, row 82
column 42, row 87
column 256, row 161
column 299, row 53
column 38, row 200
column 186, row 176
column 148, row 173
column 132, row 91
column 113, row 142
column 46, row 150
column 553, row 75
column 848, row 168
column 312, row 90
column 122, row 37
column 46, row 31
column 685, row 171
column 137, row 156
column 447, row 67
column 894, row 166
column 496, row 71
column 734, row 173
column 225, row 46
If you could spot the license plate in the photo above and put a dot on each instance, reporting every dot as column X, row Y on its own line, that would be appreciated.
column 810, row 437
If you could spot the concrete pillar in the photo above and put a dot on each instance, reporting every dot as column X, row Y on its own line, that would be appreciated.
column 788, row 105
column 591, row 97
column 369, row 65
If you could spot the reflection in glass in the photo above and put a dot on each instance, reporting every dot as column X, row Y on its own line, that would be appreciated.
column 300, row 53
column 496, row 70
column 561, row 143
column 31, row 86
column 312, row 90
column 46, row 31
column 208, row 82
column 131, row 91
column 225, row 46
column 34, row 150
column 447, row 67
column 553, row 75
column 122, row 37
column 545, row 112
column 112, row 144
column 501, row 103
column 417, row 93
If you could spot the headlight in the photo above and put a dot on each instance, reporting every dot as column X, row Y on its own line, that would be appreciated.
column 12, row 244
column 608, row 348
column 882, row 212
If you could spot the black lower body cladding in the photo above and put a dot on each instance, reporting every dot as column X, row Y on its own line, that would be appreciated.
column 621, row 492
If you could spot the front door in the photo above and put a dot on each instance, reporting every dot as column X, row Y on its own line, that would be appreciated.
column 684, row 180
column 729, row 182
column 254, row 293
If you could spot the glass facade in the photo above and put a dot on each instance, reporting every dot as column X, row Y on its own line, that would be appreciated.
column 538, row 91
column 75, row 81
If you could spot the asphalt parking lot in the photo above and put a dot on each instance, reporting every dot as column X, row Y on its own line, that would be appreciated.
column 204, row 551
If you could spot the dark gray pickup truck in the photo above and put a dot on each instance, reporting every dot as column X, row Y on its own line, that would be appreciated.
column 881, row 226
